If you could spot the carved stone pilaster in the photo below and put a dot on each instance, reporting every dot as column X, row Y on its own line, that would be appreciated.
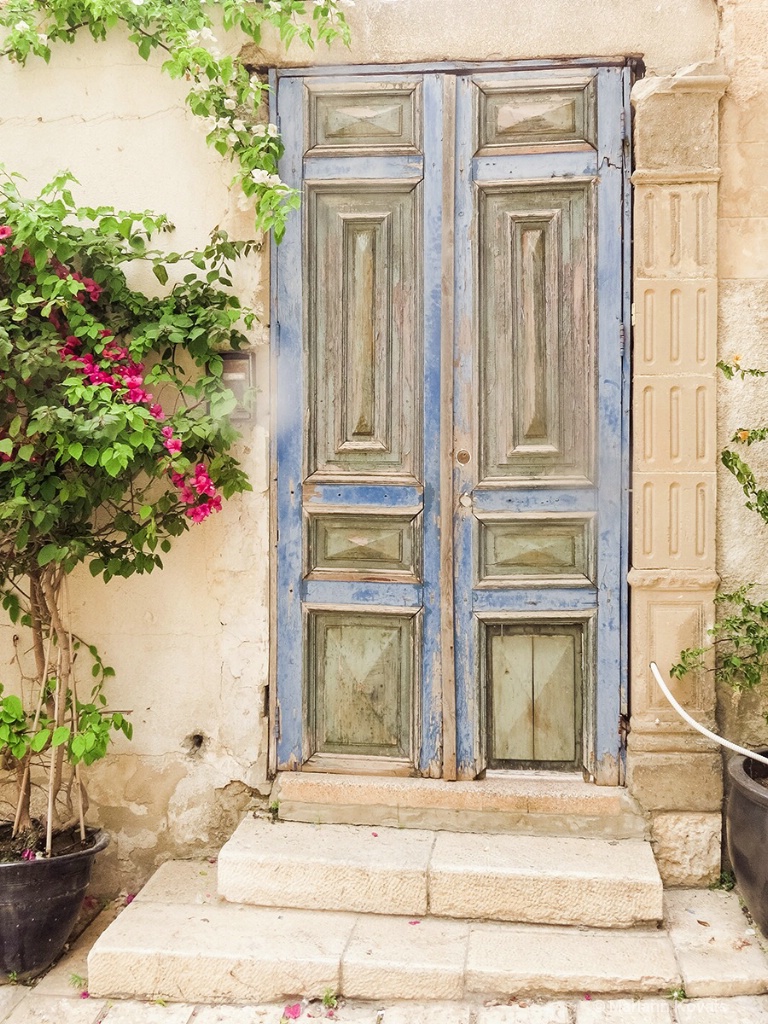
column 671, row 769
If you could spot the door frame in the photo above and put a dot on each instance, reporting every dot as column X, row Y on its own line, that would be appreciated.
column 611, row 714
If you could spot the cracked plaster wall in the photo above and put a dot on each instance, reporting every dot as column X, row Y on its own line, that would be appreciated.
column 190, row 644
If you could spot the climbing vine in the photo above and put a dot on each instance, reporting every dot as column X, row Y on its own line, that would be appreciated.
column 222, row 90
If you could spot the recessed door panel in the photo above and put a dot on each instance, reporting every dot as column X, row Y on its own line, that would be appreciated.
column 536, row 345
column 363, row 337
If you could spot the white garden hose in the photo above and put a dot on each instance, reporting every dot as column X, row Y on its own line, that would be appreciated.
column 700, row 728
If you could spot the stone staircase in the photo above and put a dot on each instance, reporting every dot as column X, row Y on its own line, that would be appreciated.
column 370, row 911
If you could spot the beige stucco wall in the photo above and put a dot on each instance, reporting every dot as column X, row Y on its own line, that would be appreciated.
column 190, row 645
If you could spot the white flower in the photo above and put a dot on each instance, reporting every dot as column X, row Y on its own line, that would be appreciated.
column 43, row 38
column 230, row 104
column 192, row 36
column 238, row 125
column 272, row 130
column 274, row 5
column 21, row 26
column 232, row 138
column 260, row 176
column 259, row 130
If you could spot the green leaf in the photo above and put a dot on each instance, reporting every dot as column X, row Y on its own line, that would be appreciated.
column 47, row 554
column 160, row 273
column 39, row 740
column 75, row 449
column 60, row 735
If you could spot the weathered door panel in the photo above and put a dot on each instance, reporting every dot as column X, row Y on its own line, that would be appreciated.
column 358, row 624
column 537, row 420
column 472, row 219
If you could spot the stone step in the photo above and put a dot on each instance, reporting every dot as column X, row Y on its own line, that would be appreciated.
column 533, row 879
column 535, row 803
column 179, row 941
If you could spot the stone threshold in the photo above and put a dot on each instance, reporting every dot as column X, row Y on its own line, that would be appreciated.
column 524, row 803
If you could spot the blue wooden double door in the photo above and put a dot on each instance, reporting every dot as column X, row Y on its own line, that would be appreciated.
column 450, row 421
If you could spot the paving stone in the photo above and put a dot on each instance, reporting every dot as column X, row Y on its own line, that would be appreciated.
column 134, row 1012
column 738, row 1010
column 716, row 954
column 326, row 867
column 520, row 960
column 544, row 880
column 624, row 1011
column 425, row 1013
column 10, row 995
column 59, row 980
column 392, row 958
column 218, row 953
column 525, row 1013
column 48, row 1009
column 182, row 881
column 239, row 1014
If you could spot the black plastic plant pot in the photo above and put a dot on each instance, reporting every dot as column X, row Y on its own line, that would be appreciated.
column 746, row 821
column 39, row 904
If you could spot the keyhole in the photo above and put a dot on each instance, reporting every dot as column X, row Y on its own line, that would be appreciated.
column 462, row 457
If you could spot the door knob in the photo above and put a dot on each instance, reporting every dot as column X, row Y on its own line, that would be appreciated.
column 462, row 457
column 465, row 501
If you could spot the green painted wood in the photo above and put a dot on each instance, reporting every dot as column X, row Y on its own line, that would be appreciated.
column 364, row 117
column 511, row 696
column 534, row 694
column 555, row 686
column 529, row 113
column 558, row 547
column 364, row 343
column 362, row 670
column 536, row 332
column 364, row 544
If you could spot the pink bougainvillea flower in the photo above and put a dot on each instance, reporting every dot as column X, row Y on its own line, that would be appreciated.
column 28, row 855
column 157, row 411
column 587, row 995
column 5, row 231
column 171, row 444
column 2, row 250
column 129, row 898
column 85, row 994
column 292, row 1012
column 93, row 289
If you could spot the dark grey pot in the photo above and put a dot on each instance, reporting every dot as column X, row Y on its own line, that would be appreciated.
column 746, row 822
column 39, row 904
